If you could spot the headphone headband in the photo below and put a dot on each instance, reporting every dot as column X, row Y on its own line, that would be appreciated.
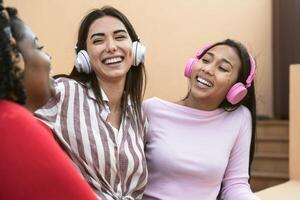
column 252, row 71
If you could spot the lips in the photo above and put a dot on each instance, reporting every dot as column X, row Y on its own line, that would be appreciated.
column 203, row 82
column 113, row 60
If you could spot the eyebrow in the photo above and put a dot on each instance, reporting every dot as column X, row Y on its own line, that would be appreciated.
column 102, row 34
column 223, row 59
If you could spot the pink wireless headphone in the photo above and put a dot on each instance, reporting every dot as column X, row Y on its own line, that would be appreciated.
column 238, row 91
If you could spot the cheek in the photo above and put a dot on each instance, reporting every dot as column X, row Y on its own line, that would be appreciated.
column 227, row 83
column 129, row 54
column 126, row 46
column 39, row 59
column 230, row 82
column 94, row 55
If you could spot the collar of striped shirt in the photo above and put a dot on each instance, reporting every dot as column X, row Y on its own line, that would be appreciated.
column 91, row 95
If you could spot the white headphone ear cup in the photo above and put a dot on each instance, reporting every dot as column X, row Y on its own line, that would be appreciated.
column 82, row 62
column 138, row 50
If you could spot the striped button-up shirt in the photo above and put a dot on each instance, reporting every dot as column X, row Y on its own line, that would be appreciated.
column 111, row 160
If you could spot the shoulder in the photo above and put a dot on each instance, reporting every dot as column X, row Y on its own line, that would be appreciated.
column 64, row 84
column 12, row 113
column 239, row 117
column 151, row 103
column 242, row 118
column 10, row 109
column 243, row 112
column 64, row 81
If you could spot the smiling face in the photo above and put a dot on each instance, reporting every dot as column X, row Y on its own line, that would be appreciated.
column 212, row 77
column 30, row 48
column 110, row 49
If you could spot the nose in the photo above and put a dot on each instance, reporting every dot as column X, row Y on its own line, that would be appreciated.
column 208, row 69
column 111, row 45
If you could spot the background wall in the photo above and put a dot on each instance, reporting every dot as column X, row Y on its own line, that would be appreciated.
column 172, row 30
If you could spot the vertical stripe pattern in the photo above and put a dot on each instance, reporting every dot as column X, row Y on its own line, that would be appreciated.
column 111, row 160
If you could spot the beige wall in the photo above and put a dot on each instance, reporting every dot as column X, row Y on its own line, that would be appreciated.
column 171, row 29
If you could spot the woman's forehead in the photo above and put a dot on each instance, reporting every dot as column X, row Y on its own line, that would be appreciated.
column 106, row 24
column 225, row 52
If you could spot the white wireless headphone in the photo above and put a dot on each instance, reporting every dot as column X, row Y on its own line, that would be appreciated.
column 82, row 61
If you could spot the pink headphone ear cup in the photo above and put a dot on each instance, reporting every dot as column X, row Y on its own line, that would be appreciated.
column 236, row 93
column 189, row 67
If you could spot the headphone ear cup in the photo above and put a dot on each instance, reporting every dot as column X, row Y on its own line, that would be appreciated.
column 236, row 93
column 190, row 64
column 138, row 50
column 82, row 62
column 189, row 67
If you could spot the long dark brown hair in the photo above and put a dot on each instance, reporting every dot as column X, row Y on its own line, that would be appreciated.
column 249, row 101
column 136, row 77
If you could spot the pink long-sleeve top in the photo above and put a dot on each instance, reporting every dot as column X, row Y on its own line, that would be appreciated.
column 191, row 153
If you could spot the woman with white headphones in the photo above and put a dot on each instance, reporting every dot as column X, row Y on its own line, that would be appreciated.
column 96, row 113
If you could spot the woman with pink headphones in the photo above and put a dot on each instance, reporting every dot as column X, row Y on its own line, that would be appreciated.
column 202, row 146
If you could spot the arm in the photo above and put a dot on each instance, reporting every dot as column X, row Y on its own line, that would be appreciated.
column 235, row 183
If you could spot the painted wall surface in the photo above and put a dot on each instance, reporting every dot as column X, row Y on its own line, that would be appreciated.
column 172, row 30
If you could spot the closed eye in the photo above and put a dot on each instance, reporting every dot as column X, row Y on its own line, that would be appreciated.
column 223, row 69
column 120, row 37
column 204, row 60
column 40, row 48
column 37, row 45
column 98, row 41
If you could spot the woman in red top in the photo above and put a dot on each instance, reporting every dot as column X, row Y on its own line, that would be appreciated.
column 33, row 166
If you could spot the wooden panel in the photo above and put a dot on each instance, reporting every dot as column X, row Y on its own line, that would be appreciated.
column 294, row 122
column 286, row 191
column 286, row 51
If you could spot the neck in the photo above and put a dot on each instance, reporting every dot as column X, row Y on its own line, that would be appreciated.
column 198, row 104
column 114, row 92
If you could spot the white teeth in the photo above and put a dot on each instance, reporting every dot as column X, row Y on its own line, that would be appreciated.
column 205, row 82
column 112, row 60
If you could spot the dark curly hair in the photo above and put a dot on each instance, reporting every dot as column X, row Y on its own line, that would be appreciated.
column 11, row 87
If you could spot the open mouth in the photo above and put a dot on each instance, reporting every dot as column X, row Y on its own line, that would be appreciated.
column 204, row 82
column 113, row 60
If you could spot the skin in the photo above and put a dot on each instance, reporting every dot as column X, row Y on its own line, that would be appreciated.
column 212, row 77
column 36, row 67
column 110, row 50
